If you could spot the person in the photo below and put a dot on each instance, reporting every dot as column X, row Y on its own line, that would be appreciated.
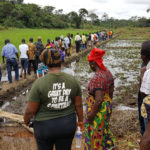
column 99, row 105
column 54, row 101
column 145, row 93
column 145, row 56
column 24, row 58
column 71, row 45
column 83, row 41
column 39, row 48
column 63, row 66
column 9, row 51
column 49, row 44
column 67, row 44
column 77, row 42
column 31, row 56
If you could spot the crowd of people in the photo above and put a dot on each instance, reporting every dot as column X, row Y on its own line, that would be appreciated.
column 29, row 53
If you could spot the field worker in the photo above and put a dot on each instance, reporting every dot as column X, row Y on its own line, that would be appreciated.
column 56, row 43
column 145, row 92
column 31, row 56
column 23, row 56
column 67, row 44
column 63, row 66
column 10, row 52
column 54, row 102
column 83, row 41
column 39, row 48
column 49, row 44
column 71, row 44
column 99, row 105
column 77, row 41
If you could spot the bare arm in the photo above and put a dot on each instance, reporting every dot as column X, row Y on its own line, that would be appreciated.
column 111, row 91
column 30, row 111
column 145, row 142
column 79, row 108
column 79, row 111
column 99, row 98
column 3, row 59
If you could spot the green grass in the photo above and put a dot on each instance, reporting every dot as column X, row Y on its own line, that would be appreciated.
column 15, row 35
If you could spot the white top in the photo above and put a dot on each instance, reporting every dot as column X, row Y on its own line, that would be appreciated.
column 67, row 42
column 145, row 86
column 23, row 49
column 92, row 37
column 77, row 38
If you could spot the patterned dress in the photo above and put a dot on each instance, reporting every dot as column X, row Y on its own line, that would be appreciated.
column 98, row 136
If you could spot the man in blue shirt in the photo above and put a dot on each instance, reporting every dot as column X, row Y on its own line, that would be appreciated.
column 10, row 52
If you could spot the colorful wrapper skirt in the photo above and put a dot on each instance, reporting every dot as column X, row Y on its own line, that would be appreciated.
column 98, row 136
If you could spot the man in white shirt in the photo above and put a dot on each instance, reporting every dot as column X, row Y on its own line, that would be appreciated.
column 67, row 44
column 24, row 58
column 77, row 41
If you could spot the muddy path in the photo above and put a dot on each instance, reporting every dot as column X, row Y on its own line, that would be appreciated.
column 125, row 67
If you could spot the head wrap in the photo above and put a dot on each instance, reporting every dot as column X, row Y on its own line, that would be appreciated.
column 96, row 56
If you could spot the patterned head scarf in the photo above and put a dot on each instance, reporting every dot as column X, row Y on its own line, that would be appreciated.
column 96, row 56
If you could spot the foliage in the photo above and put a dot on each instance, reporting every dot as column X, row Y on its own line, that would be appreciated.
column 14, row 13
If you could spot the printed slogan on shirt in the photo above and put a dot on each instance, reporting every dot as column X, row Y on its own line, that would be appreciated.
column 59, row 96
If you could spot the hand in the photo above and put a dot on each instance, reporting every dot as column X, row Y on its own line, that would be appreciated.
column 90, row 119
column 81, row 125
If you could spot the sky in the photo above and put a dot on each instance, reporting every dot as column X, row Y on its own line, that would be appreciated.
column 118, row 9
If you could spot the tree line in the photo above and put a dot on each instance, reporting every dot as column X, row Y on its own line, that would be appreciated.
column 14, row 13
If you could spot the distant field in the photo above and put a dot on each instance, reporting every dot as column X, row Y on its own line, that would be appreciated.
column 15, row 35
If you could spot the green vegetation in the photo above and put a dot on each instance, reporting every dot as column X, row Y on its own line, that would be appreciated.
column 15, row 35
column 14, row 13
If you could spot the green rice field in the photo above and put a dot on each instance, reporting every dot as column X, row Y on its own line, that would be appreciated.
column 15, row 35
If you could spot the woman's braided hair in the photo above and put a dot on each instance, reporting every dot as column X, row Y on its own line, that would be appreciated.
column 51, row 57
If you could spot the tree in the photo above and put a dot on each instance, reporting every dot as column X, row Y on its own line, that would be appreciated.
column 105, row 17
column 75, row 19
column 49, row 9
column 93, row 17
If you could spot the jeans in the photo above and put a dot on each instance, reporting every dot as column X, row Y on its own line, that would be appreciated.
column 24, row 63
column 77, row 46
column 33, row 62
column 59, row 131
column 141, row 119
column 12, row 62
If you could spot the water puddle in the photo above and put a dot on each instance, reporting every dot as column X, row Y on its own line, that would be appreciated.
column 123, row 108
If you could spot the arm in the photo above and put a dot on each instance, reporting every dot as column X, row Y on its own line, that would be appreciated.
column 111, row 91
column 17, row 56
column 3, row 59
column 79, row 110
column 30, row 111
column 145, row 142
column 99, row 97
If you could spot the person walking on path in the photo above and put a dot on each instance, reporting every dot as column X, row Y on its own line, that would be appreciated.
column 9, row 51
column 39, row 48
column 54, row 101
column 31, row 56
column 99, row 105
column 77, row 42
column 24, row 58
